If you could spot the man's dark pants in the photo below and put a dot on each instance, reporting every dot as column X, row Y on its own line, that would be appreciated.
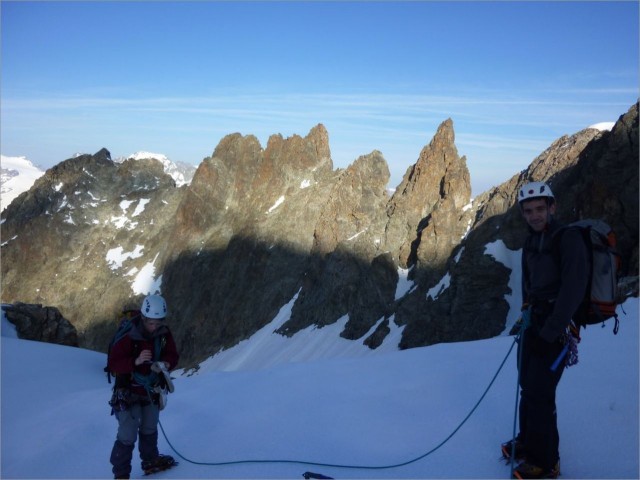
column 538, row 416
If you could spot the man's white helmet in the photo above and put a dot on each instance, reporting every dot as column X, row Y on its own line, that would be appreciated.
column 154, row 306
column 535, row 190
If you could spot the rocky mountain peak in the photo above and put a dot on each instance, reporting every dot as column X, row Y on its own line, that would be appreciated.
column 437, row 186
column 235, row 188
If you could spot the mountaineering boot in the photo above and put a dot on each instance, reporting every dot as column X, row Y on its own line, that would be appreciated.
column 161, row 462
column 121, row 459
column 148, row 446
column 507, row 448
column 528, row 470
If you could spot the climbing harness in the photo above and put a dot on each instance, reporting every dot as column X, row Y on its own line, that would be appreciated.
column 355, row 467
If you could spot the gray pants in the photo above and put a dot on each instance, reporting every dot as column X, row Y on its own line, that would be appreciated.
column 140, row 419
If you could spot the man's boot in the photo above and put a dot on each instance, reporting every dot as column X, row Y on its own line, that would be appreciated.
column 148, row 446
column 121, row 459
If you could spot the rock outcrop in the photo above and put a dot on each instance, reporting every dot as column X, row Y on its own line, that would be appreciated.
column 43, row 324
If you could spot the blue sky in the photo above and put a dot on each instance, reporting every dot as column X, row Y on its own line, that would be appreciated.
column 176, row 77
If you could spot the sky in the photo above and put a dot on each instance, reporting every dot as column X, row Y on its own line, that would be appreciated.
column 444, row 409
column 176, row 77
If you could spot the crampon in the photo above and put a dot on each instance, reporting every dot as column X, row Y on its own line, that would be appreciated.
column 162, row 462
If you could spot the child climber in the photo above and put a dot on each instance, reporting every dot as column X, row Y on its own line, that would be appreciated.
column 140, row 361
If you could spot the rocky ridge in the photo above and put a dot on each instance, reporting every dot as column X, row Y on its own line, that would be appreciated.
column 257, row 227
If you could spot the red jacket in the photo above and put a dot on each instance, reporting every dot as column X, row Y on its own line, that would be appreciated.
column 126, row 350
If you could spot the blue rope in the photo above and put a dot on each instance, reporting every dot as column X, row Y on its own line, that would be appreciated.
column 360, row 467
column 146, row 381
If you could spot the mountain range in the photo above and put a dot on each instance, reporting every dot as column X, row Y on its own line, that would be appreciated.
column 18, row 174
column 262, row 230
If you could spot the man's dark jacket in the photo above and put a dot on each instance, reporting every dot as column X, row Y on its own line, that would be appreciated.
column 555, row 269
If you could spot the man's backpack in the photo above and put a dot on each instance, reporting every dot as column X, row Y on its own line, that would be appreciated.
column 129, row 319
column 601, row 297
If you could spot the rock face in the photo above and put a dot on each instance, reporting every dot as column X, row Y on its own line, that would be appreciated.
column 43, row 324
column 258, row 228
column 82, row 234
column 429, row 203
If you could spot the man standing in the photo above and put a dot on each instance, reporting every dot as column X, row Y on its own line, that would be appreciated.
column 555, row 266
column 141, row 361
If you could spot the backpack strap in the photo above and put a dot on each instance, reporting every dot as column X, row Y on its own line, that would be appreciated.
column 128, row 319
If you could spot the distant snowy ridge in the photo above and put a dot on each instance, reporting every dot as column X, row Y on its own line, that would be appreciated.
column 141, row 155
column 602, row 126
column 18, row 174
column 181, row 173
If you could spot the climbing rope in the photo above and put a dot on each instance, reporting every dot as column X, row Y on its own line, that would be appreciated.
column 357, row 467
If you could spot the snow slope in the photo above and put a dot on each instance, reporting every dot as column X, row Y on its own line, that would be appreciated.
column 355, row 409
column 18, row 175
column 603, row 126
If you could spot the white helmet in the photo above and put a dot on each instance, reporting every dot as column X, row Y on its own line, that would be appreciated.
column 535, row 190
column 154, row 306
